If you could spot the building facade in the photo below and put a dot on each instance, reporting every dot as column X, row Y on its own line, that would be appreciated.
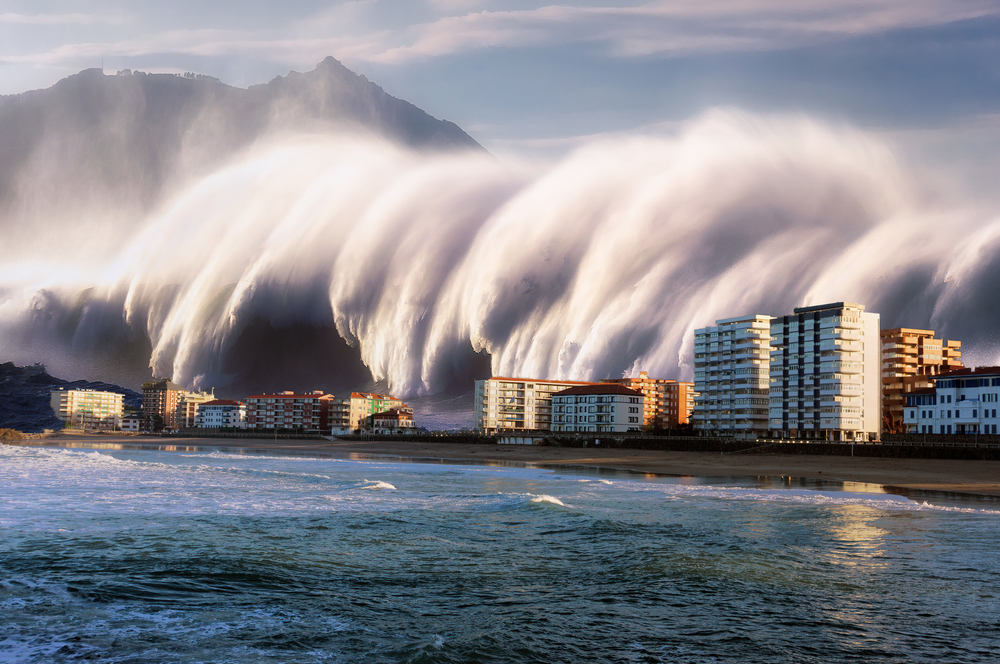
column 394, row 420
column 356, row 411
column 667, row 403
column 289, row 411
column 597, row 408
column 160, row 399
column 965, row 401
column 517, row 404
column 87, row 409
column 910, row 360
column 221, row 414
column 732, row 376
column 826, row 374
column 187, row 407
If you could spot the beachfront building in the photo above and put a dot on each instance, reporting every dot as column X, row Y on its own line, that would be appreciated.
column 393, row 421
column 131, row 422
column 87, row 409
column 910, row 360
column 731, row 376
column 308, row 412
column 160, row 399
column 518, row 404
column 221, row 414
column 604, row 407
column 964, row 401
column 666, row 403
column 187, row 407
column 356, row 411
column 826, row 379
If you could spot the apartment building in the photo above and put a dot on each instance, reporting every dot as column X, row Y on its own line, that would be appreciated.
column 732, row 376
column 826, row 378
column 356, row 411
column 910, row 360
column 965, row 401
column 288, row 410
column 666, row 403
column 605, row 407
column 187, row 407
column 160, row 399
column 503, row 404
column 87, row 409
column 221, row 414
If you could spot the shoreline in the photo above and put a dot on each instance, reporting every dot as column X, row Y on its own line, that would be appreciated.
column 949, row 476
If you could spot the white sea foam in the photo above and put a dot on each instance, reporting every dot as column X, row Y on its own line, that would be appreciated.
column 41, row 483
column 378, row 485
column 548, row 499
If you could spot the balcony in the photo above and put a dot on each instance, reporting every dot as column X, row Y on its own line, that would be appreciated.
column 846, row 335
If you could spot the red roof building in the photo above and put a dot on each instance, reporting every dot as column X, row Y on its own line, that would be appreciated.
column 288, row 410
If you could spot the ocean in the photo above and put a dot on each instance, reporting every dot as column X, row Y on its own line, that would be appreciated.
column 203, row 556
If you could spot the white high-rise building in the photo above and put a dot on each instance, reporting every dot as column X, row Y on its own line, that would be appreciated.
column 826, row 373
column 731, row 376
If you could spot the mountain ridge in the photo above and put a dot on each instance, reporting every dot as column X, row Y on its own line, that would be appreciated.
column 114, row 146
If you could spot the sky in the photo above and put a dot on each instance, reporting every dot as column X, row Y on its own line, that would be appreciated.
column 532, row 76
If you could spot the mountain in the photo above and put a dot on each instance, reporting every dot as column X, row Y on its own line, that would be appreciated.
column 24, row 397
column 111, row 147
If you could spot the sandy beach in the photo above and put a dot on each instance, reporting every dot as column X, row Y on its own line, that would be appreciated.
column 952, row 476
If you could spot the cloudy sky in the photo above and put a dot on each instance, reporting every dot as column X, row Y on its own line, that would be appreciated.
column 532, row 75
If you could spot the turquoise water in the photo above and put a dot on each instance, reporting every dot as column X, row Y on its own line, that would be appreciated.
column 209, row 557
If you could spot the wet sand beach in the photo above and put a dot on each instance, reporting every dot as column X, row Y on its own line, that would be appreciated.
column 946, row 475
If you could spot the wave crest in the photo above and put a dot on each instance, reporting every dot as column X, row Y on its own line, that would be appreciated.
column 599, row 265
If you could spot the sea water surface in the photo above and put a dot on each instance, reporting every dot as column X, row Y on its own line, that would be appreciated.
column 127, row 556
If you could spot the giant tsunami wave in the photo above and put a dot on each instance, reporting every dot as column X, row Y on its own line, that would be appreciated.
column 599, row 265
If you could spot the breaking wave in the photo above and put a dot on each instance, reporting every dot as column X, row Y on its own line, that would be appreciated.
column 599, row 265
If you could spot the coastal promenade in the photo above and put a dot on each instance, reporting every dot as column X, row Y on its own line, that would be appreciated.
column 980, row 477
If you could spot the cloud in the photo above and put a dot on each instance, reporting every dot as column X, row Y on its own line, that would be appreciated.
column 677, row 26
column 60, row 19
column 359, row 31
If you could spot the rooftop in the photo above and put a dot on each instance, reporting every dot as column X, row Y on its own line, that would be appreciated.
column 970, row 371
column 222, row 402
column 543, row 380
column 599, row 388
column 318, row 394
column 830, row 305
